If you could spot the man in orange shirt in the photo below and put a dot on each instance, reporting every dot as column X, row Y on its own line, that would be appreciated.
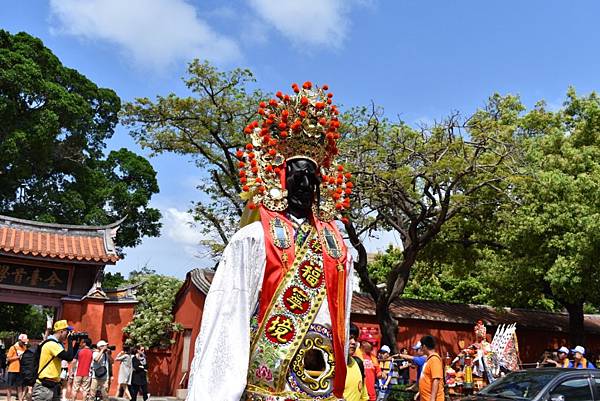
column 13, row 358
column 431, row 385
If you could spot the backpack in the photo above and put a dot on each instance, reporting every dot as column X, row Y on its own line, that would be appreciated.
column 361, row 367
column 36, row 359
column 28, row 371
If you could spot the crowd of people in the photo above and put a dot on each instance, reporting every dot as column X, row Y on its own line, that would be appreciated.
column 371, row 377
column 68, row 366
column 561, row 359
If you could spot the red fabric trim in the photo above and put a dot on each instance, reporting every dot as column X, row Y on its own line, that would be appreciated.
column 274, row 270
column 336, row 297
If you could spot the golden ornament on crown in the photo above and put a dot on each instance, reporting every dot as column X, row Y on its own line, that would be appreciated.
column 302, row 125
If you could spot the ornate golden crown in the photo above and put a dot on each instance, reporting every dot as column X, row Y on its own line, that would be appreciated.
column 302, row 125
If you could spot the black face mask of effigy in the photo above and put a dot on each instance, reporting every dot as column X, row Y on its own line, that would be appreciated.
column 302, row 183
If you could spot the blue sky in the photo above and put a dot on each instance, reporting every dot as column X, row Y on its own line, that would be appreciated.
column 420, row 60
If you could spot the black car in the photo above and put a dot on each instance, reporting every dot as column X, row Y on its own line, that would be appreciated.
column 544, row 384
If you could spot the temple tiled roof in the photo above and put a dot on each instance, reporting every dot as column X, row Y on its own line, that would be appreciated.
column 91, row 244
column 419, row 309
column 445, row 312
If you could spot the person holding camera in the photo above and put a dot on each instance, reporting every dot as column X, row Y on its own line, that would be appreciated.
column 51, row 352
column 101, row 362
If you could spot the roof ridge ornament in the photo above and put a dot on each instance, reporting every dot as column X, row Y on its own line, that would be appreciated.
column 8, row 220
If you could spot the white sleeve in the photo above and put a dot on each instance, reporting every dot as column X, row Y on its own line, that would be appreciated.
column 220, row 365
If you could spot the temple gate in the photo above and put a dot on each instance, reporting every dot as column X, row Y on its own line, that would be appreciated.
column 61, row 266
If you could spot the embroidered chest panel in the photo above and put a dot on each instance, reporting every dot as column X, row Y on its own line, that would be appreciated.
column 287, row 337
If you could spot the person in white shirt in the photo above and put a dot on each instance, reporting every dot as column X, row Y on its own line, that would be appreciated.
column 101, row 362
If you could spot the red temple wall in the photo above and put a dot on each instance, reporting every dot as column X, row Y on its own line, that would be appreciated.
column 188, row 312
column 102, row 321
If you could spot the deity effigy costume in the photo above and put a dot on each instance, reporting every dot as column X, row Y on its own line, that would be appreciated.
column 274, row 326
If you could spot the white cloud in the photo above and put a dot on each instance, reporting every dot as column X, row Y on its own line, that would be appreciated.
column 253, row 31
column 153, row 33
column 179, row 227
column 311, row 22
column 174, row 253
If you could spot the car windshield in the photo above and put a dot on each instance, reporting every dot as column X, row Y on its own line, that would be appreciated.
column 519, row 385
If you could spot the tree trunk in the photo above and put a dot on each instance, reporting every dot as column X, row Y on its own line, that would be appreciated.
column 387, row 324
column 576, row 328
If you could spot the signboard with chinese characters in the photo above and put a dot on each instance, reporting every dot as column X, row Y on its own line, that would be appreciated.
column 44, row 279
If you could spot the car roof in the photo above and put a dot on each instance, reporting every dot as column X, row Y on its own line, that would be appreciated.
column 558, row 371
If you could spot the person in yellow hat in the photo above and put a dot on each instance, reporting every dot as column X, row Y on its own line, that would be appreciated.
column 51, row 352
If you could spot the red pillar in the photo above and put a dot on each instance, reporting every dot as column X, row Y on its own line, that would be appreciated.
column 92, row 319
column 86, row 315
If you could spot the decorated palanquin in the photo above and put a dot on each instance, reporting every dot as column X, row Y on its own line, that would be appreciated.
column 274, row 325
column 483, row 362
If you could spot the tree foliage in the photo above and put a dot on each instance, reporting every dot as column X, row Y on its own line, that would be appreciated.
column 553, row 236
column 540, row 249
column 209, row 128
column 413, row 181
column 53, row 167
column 23, row 318
column 113, row 280
column 152, row 323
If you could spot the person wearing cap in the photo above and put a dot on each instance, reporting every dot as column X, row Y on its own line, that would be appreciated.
column 417, row 360
column 563, row 358
column 389, row 376
column 370, row 363
column 101, row 362
column 52, row 352
column 13, row 358
column 579, row 361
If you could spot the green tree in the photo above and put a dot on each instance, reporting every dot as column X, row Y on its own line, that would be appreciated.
column 53, row 167
column 23, row 318
column 137, row 275
column 413, row 181
column 209, row 128
column 554, row 235
column 540, row 249
column 152, row 323
column 113, row 280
